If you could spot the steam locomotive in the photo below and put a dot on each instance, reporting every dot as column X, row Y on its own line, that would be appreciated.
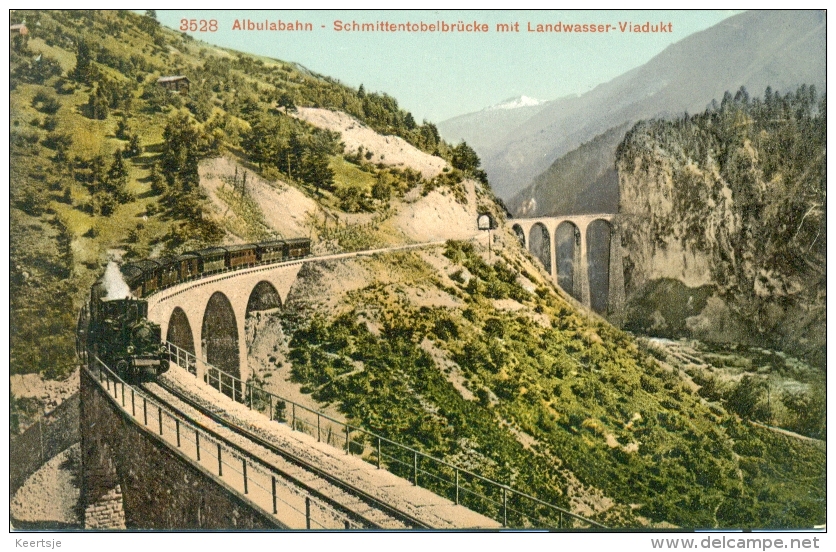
column 120, row 334
column 114, row 325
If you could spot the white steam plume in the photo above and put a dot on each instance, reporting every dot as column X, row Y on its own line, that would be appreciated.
column 114, row 283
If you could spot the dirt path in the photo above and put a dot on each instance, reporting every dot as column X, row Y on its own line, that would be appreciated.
column 789, row 433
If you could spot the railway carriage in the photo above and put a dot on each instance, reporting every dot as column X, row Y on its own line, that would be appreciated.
column 169, row 272
column 241, row 256
column 150, row 276
column 188, row 266
column 271, row 251
column 147, row 276
column 298, row 248
column 210, row 260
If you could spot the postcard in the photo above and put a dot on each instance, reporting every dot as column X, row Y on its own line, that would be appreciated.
column 444, row 272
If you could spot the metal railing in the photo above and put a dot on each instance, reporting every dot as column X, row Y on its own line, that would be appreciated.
column 266, row 487
column 500, row 502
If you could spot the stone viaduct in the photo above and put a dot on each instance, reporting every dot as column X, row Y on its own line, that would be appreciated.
column 206, row 317
column 571, row 268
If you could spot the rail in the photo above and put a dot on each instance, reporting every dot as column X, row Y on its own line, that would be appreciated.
column 265, row 487
column 500, row 502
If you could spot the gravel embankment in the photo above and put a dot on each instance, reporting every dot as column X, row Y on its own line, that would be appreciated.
column 49, row 498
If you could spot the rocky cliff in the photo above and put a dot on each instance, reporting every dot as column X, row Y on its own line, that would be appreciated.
column 724, row 223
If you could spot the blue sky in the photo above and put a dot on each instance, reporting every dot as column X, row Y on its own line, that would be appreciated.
column 440, row 75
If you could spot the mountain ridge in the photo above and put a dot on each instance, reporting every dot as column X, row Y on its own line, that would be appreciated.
column 754, row 49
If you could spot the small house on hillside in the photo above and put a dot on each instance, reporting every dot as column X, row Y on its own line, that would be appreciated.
column 18, row 29
column 178, row 83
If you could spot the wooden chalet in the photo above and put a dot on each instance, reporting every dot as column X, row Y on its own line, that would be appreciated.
column 176, row 83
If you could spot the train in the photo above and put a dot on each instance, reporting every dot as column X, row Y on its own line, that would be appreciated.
column 151, row 275
column 114, row 327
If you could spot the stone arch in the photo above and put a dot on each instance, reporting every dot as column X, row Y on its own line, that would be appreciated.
column 219, row 336
column 520, row 233
column 180, row 330
column 264, row 297
column 568, row 248
column 539, row 244
column 260, row 317
column 180, row 333
column 598, row 238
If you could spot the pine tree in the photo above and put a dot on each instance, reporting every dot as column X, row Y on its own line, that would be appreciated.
column 430, row 136
column 286, row 101
column 409, row 121
column 134, row 148
column 315, row 170
column 98, row 104
column 181, row 153
column 117, row 177
column 465, row 158
column 83, row 66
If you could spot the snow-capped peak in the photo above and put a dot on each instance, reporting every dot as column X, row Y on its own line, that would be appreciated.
column 514, row 103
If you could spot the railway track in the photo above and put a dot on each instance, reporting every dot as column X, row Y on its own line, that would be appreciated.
column 362, row 508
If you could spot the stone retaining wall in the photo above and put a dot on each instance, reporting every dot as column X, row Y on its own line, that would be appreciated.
column 157, row 487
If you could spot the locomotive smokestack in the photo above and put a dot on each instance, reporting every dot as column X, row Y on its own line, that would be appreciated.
column 114, row 283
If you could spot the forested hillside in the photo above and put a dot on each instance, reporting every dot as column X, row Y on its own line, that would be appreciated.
column 733, row 201
column 474, row 358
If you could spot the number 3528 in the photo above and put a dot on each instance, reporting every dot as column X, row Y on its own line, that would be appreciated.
column 201, row 25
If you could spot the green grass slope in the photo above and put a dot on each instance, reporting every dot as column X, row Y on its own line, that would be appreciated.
column 476, row 359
